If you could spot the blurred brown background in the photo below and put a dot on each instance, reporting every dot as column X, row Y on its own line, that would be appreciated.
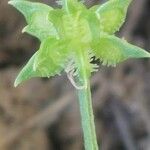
column 43, row 114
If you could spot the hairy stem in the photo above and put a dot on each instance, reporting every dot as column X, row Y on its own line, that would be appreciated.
column 86, row 109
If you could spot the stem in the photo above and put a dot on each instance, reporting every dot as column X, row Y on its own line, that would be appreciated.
column 87, row 116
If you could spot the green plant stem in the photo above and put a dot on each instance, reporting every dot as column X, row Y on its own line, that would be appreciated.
column 87, row 116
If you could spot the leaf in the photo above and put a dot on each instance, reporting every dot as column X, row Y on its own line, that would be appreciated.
column 112, row 15
column 112, row 50
column 35, row 14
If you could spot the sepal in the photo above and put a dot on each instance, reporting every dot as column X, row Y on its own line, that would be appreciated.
column 112, row 15
column 112, row 50
column 36, row 15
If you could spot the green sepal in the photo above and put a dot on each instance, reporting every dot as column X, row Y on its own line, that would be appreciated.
column 76, row 29
column 36, row 17
column 112, row 15
column 73, row 6
column 72, row 26
column 94, row 25
column 48, row 61
column 94, row 8
column 112, row 50
column 27, row 72
column 52, row 57
column 55, row 16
